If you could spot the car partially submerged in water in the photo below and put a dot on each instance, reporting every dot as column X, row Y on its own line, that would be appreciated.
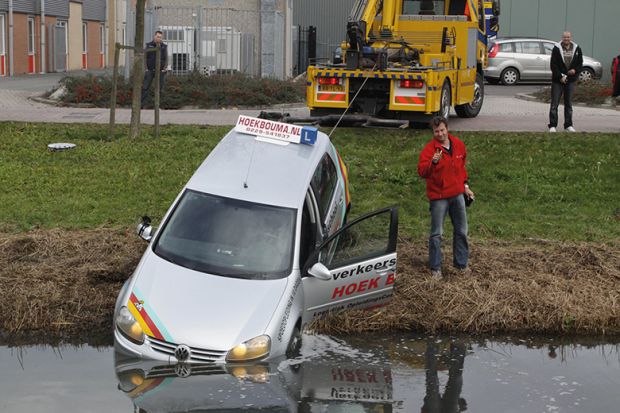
column 253, row 248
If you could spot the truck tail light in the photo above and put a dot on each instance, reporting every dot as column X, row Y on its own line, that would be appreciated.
column 494, row 50
column 329, row 81
column 412, row 84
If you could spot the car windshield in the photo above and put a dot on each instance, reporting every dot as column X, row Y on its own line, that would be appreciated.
column 228, row 237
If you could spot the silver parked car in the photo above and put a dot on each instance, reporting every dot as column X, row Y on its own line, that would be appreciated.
column 528, row 58
column 255, row 246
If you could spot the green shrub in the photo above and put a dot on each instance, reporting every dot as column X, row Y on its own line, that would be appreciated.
column 205, row 92
column 593, row 92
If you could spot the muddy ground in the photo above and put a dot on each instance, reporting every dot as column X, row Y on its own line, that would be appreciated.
column 61, row 285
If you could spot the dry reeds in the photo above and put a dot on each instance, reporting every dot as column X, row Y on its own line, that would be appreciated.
column 534, row 286
column 58, row 284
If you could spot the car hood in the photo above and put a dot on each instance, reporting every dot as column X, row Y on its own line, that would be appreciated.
column 201, row 310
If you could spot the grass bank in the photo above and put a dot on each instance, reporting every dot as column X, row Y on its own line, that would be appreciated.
column 544, row 228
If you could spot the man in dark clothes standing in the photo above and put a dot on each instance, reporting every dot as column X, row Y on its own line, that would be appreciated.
column 566, row 62
column 150, row 72
column 615, row 77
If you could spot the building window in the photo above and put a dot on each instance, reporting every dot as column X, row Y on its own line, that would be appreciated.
column 2, row 35
column 30, row 35
column 102, row 38
column 84, row 38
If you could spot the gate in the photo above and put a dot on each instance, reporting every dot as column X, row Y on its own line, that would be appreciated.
column 208, row 40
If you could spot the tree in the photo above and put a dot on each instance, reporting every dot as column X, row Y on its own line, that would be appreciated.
column 138, row 70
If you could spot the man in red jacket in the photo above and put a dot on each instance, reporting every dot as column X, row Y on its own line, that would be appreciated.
column 442, row 164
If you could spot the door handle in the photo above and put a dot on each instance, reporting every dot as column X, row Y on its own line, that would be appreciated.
column 386, row 271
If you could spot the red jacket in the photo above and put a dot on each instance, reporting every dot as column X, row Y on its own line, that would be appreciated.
column 448, row 177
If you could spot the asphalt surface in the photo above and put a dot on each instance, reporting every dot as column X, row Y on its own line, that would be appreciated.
column 504, row 109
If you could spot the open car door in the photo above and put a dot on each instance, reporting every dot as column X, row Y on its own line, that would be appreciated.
column 354, row 268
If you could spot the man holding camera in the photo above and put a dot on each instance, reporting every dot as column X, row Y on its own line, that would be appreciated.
column 442, row 164
column 566, row 62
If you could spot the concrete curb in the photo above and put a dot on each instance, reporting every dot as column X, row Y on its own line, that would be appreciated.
column 530, row 98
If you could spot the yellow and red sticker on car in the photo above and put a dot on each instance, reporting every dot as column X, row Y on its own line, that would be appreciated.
column 147, row 318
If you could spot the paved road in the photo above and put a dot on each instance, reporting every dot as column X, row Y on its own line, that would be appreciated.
column 502, row 111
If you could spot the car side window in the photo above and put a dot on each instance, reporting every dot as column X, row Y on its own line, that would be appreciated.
column 506, row 47
column 531, row 48
column 548, row 48
column 324, row 183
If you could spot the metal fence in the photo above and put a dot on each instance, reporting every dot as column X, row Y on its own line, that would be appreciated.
column 207, row 40
column 304, row 52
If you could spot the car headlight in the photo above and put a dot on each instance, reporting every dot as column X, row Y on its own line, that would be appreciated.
column 130, row 380
column 253, row 349
column 128, row 325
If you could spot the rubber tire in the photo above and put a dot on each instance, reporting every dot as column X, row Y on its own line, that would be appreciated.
column 469, row 110
column 294, row 344
column 445, row 92
column 586, row 75
column 510, row 82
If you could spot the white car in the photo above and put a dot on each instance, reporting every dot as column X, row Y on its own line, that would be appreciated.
column 529, row 59
column 253, row 248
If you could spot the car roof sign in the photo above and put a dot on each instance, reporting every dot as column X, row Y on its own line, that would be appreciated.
column 276, row 132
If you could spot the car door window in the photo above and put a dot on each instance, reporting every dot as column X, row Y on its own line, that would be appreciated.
column 506, row 47
column 368, row 238
column 324, row 183
column 531, row 47
column 354, row 268
column 548, row 47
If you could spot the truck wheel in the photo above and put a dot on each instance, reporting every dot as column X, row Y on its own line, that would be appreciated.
column 446, row 100
column 294, row 345
column 471, row 110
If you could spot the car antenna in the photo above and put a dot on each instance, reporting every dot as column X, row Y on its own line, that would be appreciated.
column 247, row 174
column 352, row 100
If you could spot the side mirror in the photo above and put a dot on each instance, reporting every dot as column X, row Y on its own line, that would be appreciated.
column 320, row 271
column 145, row 230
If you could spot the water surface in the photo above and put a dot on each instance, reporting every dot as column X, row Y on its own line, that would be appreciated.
column 401, row 373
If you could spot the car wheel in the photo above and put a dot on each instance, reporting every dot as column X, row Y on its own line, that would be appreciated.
column 586, row 75
column 446, row 100
column 294, row 345
column 471, row 110
column 510, row 76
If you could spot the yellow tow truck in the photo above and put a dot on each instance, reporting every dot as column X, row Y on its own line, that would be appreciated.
column 406, row 60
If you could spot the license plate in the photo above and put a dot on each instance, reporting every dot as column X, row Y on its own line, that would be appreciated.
column 331, row 88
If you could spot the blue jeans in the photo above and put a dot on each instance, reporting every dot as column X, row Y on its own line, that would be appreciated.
column 557, row 90
column 455, row 206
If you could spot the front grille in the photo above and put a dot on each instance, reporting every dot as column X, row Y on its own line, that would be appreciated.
column 185, row 370
column 199, row 355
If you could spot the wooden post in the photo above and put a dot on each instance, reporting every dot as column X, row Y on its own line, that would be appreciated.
column 156, row 94
column 117, row 50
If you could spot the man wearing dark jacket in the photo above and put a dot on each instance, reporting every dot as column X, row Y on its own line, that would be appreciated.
column 566, row 62
column 442, row 164
column 615, row 77
column 151, row 58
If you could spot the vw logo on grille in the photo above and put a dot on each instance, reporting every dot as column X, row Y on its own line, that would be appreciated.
column 182, row 352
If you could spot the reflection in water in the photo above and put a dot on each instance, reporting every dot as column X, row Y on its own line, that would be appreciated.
column 362, row 374
column 389, row 374
column 450, row 401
